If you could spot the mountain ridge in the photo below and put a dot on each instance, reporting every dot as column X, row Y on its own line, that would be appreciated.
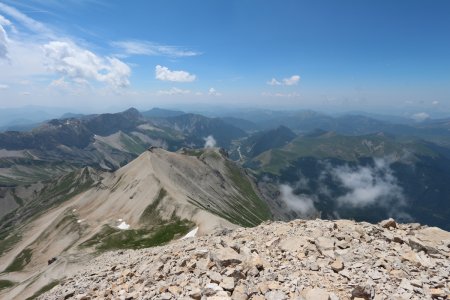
column 105, row 141
column 157, row 197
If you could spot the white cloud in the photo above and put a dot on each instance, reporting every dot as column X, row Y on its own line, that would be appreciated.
column 273, row 81
column 369, row 185
column 28, row 22
column 4, row 21
column 3, row 87
column 420, row 117
column 213, row 92
column 43, row 53
column 210, row 142
column 435, row 103
column 25, row 93
column 4, row 37
column 303, row 204
column 133, row 47
column 25, row 62
column 174, row 91
column 164, row 74
column 293, row 80
column 3, row 43
column 67, row 59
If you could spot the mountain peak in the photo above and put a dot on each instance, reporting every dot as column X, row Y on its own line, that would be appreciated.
column 132, row 113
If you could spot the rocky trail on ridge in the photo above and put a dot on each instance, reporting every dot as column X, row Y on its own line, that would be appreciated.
column 309, row 260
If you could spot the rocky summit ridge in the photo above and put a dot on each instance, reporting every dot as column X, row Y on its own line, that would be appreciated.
column 310, row 260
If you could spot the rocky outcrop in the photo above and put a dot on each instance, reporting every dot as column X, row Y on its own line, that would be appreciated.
column 308, row 260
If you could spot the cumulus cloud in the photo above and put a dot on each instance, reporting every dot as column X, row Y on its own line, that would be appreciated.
column 435, row 103
column 135, row 47
column 420, row 117
column 3, row 87
column 369, row 185
column 210, row 142
column 164, row 74
column 79, row 64
column 213, row 92
column 273, row 81
column 173, row 91
column 41, row 52
column 303, row 204
column 293, row 80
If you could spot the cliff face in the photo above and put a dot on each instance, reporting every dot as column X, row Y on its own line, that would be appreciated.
column 309, row 260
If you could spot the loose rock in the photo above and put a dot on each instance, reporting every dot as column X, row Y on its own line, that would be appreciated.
column 314, row 259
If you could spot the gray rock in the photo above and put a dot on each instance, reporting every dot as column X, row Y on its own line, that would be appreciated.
column 337, row 265
column 227, row 283
column 226, row 257
column 317, row 294
column 275, row 295
column 389, row 223
column 324, row 244
column 366, row 292
column 211, row 289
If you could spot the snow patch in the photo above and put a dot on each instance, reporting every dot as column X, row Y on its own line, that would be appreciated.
column 123, row 225
column 191, row 233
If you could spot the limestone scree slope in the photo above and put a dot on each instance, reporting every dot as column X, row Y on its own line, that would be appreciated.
column 310, row 260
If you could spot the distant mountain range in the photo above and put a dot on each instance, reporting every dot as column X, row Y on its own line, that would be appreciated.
column 417, row 155
column 436, row 131
column 105, row 141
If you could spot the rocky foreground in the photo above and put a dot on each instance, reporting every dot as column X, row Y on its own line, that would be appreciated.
column 297, row 260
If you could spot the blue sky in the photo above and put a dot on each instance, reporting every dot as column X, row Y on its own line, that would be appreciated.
column 342, row 55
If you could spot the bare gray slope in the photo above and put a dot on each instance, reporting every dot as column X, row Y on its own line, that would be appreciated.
column 157, row 197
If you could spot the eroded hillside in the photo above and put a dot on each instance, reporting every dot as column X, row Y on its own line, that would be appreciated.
column 157, row 197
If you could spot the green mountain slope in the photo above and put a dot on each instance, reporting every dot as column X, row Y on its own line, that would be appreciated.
column 332, row 145
column 367, row 178
column 265, row 140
